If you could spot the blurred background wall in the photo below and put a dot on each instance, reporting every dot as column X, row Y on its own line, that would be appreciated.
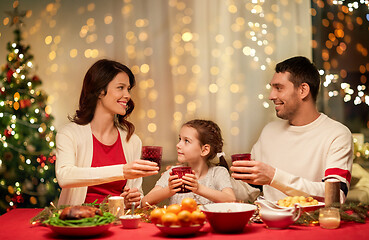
column 192, row 59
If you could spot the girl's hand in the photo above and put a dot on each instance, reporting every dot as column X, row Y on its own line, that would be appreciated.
column 140, row 168
column 174, row 184
column 131, row 196
column 190, row 181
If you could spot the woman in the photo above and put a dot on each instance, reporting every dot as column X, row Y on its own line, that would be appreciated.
column 97, row 153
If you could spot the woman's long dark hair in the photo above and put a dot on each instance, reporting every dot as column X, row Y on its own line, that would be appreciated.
column 96, row 81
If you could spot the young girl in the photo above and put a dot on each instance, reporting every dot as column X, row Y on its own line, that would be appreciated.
column 199, row 142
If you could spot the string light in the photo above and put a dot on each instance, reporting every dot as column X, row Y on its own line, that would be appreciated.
column 338, row 41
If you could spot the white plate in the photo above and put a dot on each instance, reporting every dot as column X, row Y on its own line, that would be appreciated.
column 311, row 207
column 80, row 231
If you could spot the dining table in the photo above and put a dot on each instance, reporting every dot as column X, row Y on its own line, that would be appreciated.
column 16, row 224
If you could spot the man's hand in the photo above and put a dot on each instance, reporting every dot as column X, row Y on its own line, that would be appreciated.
column 253, row 172
column 140, row 168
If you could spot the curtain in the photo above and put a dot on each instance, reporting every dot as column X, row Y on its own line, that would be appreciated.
column 208, row 59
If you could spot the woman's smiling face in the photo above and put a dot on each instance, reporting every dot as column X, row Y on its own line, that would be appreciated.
column 117, row 95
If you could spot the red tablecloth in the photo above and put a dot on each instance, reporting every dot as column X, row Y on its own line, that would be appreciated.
column 16, row 225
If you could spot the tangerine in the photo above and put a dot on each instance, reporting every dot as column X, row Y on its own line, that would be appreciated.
column 184, row 218
column 156, row 214
column 189, row 204
column 198, row 217
column 169, row 219
column 174, row 208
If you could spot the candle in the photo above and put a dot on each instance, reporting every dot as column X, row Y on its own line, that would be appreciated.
column 116, row 205
column 329, row 222
column 332, row 192
column 329, row 217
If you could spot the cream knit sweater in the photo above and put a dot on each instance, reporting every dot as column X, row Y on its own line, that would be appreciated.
column 74, row 151
column 304, row 156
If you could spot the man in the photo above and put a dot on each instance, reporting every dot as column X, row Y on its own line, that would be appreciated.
column 295, row 156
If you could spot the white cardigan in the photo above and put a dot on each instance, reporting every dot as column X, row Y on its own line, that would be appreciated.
column 74, row 151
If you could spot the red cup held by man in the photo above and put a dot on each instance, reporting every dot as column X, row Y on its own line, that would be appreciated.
column 241, row 157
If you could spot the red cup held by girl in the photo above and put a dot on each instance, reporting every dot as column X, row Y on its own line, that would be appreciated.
column 180, row 172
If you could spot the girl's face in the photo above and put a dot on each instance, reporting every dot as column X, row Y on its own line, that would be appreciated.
column 189, row 148
column 117, row 95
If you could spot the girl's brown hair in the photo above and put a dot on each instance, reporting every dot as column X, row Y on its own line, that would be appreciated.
column 96, row 81
column 209, row 133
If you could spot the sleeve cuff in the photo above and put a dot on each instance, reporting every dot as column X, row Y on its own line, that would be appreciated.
column 280, row 180
column 122, row 171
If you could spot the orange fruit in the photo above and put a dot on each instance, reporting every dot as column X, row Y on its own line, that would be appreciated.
column 174, row 208
column 156, row 214
column 198, row 217
column 184, row 218
column 169, row 219
column 189, row 204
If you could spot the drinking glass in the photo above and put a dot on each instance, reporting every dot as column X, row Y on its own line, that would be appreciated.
column 240, row 156
column 152, row 153
column 180, row 172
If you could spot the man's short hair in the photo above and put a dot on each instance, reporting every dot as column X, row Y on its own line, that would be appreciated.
column 302, row 70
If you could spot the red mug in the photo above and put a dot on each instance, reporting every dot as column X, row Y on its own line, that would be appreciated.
column 180, row 172
column 241, row 156
column 152, row 153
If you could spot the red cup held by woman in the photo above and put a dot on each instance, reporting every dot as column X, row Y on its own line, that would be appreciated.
column 152, row 153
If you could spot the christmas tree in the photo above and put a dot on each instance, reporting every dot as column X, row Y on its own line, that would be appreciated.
column 27, row 172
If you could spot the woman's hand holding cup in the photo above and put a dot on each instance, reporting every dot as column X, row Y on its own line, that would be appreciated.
column 140, row 168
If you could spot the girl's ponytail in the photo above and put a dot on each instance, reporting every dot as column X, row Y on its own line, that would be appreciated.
column 223, row 162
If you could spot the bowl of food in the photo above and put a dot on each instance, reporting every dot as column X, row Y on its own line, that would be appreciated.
column 130, row 221
column 228, row 217
column 179, row 219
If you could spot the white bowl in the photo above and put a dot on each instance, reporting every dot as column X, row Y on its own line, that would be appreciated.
column 228, row 217
column 130, row 221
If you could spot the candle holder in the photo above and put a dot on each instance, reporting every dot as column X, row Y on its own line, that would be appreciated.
column 329, row 217
column 116, row 205
column 332, row 192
